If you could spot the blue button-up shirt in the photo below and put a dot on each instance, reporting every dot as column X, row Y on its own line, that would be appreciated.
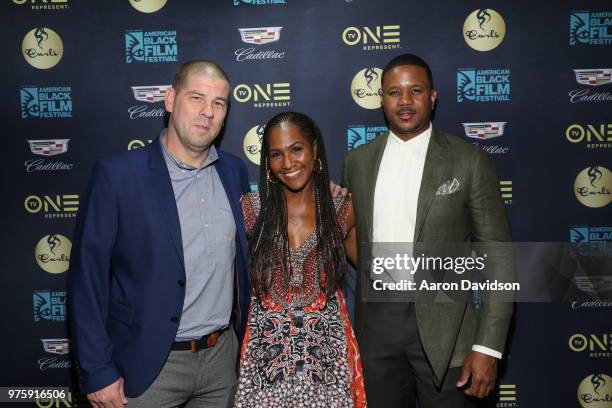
column 208, row 231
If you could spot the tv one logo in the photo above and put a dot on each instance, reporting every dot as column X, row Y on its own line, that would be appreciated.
column 595, row 345
column 58, row 206
column 595, row 136
column 264, row 96
column 386, row 37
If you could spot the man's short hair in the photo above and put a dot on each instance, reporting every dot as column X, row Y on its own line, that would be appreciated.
column 408, row 59
column 198, row 67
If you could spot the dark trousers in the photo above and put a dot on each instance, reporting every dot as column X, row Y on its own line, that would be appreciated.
column 395, row 367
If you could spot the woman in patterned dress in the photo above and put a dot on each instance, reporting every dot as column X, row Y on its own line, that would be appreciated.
column 299, row 349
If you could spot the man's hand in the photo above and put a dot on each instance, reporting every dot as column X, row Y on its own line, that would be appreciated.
column 483, row 370
column 337, row 189
column 111, row 396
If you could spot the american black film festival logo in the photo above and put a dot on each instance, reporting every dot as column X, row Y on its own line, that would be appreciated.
column 150, row 46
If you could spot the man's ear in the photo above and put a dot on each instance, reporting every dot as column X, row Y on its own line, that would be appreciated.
column 169, row 96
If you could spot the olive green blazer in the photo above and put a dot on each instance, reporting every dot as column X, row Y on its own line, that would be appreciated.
column 475, row 212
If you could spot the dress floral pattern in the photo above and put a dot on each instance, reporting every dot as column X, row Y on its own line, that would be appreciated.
column 299, row 349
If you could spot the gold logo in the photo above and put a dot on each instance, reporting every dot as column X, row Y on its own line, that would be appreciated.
column 42, row 48
column 385, row 37
column 264, row 96
column 252, row 143
column 366, row 88
column 484, row 29
column 148, row 6
column 137, row 144
column 595, row 391
column 53, row 253
column 595, row 345
column 595, row 136
column 505, row 188
column 593, row 186
column 58, row 206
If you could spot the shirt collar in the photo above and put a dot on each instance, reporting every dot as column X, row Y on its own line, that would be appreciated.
column 419, row 142
column 213, row 156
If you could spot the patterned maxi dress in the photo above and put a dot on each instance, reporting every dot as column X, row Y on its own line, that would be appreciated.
column 299, row 348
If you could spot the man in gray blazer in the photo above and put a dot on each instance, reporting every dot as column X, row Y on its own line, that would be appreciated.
column 417, row 184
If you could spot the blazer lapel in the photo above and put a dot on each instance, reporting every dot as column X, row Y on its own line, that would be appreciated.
column 371, row 167
column 164, row 195
column 437, row 170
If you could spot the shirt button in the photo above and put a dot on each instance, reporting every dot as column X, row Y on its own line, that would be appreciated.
column 201, row 200
column 181, row 282
column 206, row 225
column 174, row 319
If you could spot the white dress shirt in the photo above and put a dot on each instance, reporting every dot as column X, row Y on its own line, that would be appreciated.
column 397, row 192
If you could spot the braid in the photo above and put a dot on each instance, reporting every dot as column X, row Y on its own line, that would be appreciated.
column 269, row 241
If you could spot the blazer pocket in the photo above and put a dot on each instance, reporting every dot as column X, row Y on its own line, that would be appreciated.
column 121, row 313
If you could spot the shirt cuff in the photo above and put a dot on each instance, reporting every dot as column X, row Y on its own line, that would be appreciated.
column 487, row 351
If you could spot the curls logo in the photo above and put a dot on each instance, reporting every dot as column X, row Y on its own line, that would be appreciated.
column 593, row 186
column 148, row 6
column 484, row 29
column 595, row 391
column 53, row 253
column 366, row 88
column 42, row 48
column 252, row 143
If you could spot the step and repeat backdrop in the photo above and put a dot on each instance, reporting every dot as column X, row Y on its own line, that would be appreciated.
column 528, row 82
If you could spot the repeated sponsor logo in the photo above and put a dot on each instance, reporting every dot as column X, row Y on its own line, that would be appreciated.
column 252, row 143
column 148, row 6
column 507, row 396
column 483, row 132
column 593, row 244
column 376, row 38
column 484, row 29
column 591, row 77
column 49, row 305
column 42, row 48
column 483, row 85
column 590, row 28
column 505, row 188
column 358, row 135
column 45, row 4
column 53, row 206
column 274, row 95
column 595, row 391
column 150, row 94
column 259, row 36
column 150, row 46
column 138, row 143
column 258, row 2
column 56, row 346
column 49, row 102
column 591, row 344
column 593, row 136
column 60, row 347
column 52, row 253
column 593, row 186
column 47, row 148
column 366, row 88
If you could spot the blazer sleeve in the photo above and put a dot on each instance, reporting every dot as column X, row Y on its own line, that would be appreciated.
column 88, row 282
column 490, row 226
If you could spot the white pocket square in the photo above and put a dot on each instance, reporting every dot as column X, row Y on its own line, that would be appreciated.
column 448, row 187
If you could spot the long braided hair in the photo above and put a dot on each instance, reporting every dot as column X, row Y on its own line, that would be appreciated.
column 269, row 240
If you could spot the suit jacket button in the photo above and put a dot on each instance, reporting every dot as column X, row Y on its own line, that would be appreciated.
column 181, row 283
column 174, row 319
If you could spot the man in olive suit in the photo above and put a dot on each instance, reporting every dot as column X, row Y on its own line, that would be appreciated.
column 417, row 184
